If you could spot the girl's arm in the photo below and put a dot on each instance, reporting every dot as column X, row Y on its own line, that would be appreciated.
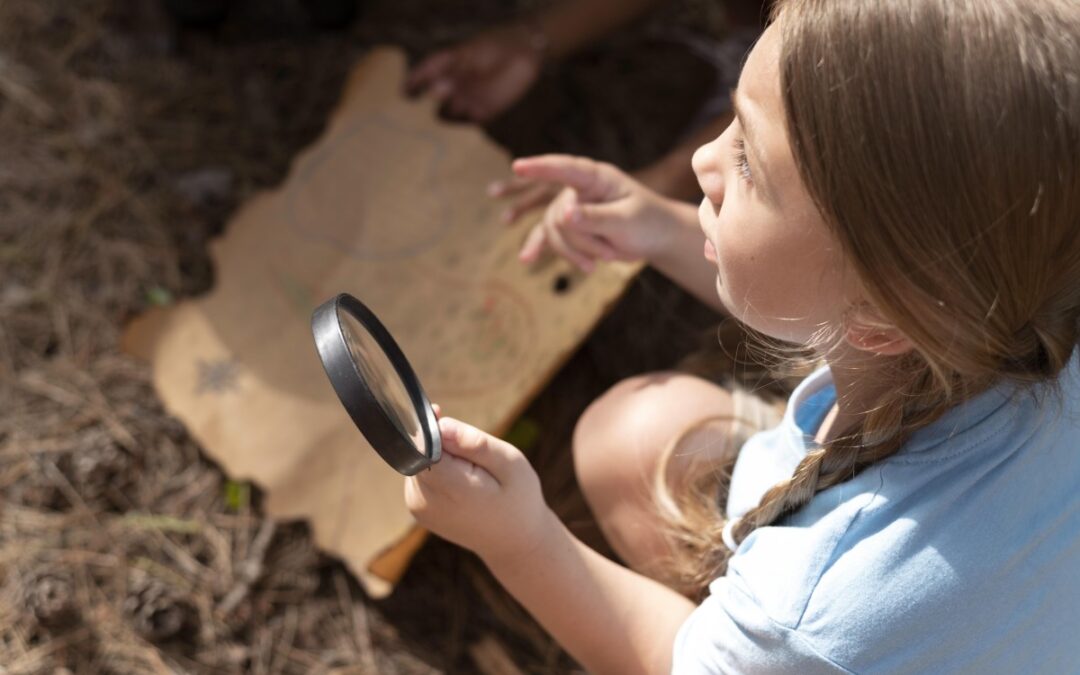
column 683, row 259
column 484, row 495
column 611, row 619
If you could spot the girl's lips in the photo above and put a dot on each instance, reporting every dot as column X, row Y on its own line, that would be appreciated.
column 710, row 252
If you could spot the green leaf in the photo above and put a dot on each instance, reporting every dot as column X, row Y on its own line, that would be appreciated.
column 523, row 434
column 159, row 295
column 237, row 495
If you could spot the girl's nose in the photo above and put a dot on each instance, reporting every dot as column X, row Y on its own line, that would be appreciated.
column 708, row 169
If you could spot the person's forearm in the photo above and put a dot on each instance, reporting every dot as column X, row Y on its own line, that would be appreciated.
column 682, row 258
column 609, row 618
column 572, row 24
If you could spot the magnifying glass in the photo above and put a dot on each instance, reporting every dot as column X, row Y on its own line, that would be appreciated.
column 376, row 384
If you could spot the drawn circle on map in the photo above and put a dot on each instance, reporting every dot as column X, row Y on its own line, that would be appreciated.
column 471, row 341
column 376, row 385
column 350, row 195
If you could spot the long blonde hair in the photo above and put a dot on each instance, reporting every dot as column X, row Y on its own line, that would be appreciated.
column 940, row 140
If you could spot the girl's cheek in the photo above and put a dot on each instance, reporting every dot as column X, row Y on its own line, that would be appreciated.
column 730, row 254
column 743, row 252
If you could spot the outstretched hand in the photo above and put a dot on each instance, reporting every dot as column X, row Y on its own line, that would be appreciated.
column 483, row 495
column 480, row 78
column 601, row 213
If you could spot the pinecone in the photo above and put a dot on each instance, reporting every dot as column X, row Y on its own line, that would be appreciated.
column 50, row 596
column 99, row 469
column 36, row 491
column 157, row 611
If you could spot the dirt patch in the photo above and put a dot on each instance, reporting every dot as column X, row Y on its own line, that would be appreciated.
column 127, row 144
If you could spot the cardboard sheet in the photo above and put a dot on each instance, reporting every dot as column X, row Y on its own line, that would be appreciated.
column 389, row 205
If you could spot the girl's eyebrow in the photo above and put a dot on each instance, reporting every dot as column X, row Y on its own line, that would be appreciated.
column 749, row 136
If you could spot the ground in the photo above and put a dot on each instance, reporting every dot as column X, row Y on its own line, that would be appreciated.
column 127, row 144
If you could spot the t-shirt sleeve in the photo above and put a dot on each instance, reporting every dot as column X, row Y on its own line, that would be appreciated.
column 730, row 633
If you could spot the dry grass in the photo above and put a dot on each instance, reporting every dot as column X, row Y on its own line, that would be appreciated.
column 126, row 146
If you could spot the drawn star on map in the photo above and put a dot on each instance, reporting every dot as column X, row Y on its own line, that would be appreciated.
column 216, row 376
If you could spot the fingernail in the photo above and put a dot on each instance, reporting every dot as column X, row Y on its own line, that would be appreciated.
column 507, row 216
column 495, row 188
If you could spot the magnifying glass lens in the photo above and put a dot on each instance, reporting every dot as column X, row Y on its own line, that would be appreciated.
column 376, row 385
column 382, row 379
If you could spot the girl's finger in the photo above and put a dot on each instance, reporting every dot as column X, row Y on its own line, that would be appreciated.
column 538, row 196
column 591, row 179
column 558, row 243
column 506, row 187
column 598, row 220
column 534, row 244
column 593, row 247
column 495, row 456
column 452, row 475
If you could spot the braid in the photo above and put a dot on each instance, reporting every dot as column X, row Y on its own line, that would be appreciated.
column 881, row 432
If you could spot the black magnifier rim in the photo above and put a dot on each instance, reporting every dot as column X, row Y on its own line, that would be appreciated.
column 365, row 410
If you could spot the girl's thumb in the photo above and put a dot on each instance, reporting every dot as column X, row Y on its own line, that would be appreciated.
column 480, row 448
column 586, row 217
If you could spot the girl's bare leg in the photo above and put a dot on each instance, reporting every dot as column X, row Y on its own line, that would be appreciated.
column 620, row 443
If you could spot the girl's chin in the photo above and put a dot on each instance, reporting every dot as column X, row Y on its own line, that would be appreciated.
column 722, row 294
column 747, row 318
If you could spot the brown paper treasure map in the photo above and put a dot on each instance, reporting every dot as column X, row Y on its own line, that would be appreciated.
column 388, row 205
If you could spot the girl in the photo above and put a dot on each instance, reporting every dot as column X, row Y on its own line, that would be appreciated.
column 900, row 193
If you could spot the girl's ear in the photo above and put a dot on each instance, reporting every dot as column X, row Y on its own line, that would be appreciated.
column 867, row 332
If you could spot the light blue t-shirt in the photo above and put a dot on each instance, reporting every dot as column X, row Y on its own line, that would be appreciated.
column 958, row 554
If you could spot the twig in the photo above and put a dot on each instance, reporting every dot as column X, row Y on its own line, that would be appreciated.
column 35, row 384
column 60, row 480
column 11, row 88
column 30, row 662
column 95, row 404
column 250, row 570
column 284, row 644
column 357, row 613
column 99, row 404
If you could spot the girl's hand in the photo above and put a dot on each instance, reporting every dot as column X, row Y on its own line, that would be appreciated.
column 524, row 195
column 481, row 78
column 483, row 495
column 601, row 213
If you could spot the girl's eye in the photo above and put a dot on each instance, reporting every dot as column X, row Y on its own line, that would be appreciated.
column 741, row 163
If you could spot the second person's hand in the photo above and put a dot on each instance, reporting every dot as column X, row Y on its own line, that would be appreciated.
column 482, row 77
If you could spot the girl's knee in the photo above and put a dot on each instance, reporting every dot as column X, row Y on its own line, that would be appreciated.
column 623, row 435
column 610, row 427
